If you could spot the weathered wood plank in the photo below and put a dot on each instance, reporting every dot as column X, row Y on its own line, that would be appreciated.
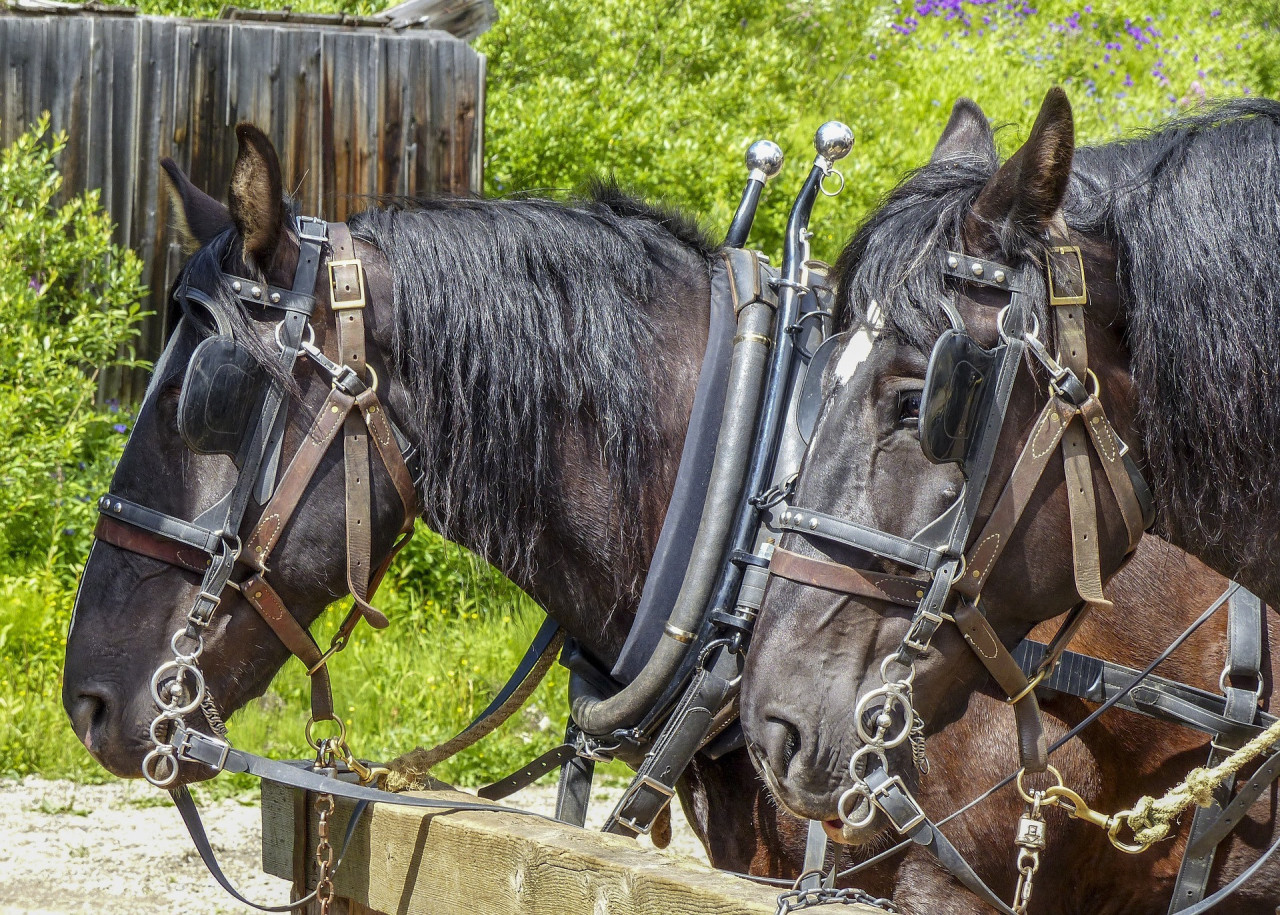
column 355, row 112
column 406, row 860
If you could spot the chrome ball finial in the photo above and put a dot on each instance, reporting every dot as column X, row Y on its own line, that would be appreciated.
column 833, row 140
column 765, row 157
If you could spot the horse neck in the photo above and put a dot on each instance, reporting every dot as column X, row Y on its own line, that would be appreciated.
column 586, row 564
column 1197, row 305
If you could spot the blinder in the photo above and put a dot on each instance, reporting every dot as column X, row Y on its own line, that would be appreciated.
column 221, row 393
column 959, row 387
column 809, row 401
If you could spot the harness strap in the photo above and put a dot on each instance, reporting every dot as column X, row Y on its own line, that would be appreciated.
column 311, row 450
column 263, row 598
column 907, row 816
column 833, row 576
column 1032, row 746
column 1244, row 659
column 1045, row 436
column 384, row 439
column 137, row 540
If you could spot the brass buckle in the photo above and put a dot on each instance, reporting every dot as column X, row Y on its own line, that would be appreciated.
column 341, row 301
column 1054, row 298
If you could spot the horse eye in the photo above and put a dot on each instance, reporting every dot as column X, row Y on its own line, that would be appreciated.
column 908, row 409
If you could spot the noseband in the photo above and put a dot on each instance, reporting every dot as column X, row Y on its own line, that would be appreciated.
column 211, row 544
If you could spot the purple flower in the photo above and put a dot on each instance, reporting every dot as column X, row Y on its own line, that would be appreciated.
column 1215, row 14
column 1128, row 80
column 872, row 56
column 121, row 428
column 113, row 405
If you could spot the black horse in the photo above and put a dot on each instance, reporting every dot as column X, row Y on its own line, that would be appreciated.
column 542, row 357
column 1179, row 234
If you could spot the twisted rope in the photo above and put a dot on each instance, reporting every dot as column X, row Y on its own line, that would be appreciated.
column 1152, row 819
column 411, row 772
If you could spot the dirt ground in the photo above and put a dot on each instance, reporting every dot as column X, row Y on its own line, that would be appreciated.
column 121, row 848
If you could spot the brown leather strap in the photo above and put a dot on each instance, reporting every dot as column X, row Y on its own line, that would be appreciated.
column 1110, row 451
column 1032, row 746
column 375, row 417
column 1083, row 510
column 359, row 513
column 136, row 540
column 994, row 537
column 263, row 598
column 347, row 299
column 832, row 576
column 284, row 501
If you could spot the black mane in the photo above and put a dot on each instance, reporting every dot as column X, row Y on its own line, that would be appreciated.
column 514, row 318
column 1193, row 210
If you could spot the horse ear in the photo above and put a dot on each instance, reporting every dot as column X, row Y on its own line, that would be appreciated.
column 199, row 218
column 968, row 133
column 257, row 194
column 1024, row 195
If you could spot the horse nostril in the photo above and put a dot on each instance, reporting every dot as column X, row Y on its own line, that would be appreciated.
column 89, row 716
column 784, row 744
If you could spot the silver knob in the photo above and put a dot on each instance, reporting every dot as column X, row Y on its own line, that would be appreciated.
column 833, row 140
column 765, row 157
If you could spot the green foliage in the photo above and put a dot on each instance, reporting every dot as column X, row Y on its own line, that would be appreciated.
column 68, row 309
column 665, row 95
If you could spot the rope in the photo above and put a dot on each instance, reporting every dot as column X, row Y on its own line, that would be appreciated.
column 410, row 772
column 1152, row 819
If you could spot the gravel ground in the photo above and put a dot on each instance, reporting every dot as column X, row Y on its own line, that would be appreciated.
column 121, row 848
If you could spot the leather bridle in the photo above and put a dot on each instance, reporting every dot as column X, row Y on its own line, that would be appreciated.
column 959, row 560
column 211, row 544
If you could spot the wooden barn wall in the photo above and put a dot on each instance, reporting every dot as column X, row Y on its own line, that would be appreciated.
column 355, row 113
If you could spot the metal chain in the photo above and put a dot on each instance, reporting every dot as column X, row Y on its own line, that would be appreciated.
column 324, row 854
column 918, row 755
column 804, row 899
column 1030, row 841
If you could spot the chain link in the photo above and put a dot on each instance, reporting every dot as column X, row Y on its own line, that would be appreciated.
column 324, row 854
column 803, row 899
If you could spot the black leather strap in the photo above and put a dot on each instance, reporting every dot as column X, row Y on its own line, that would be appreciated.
column 195, row 827
column 219, row 756
column 893, row 799
column 529, row 773
column 711, row 689
column 1244, row 660
column 890, row 546
column 573, row 793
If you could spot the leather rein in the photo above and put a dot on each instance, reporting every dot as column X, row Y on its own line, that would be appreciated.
column 211, row 545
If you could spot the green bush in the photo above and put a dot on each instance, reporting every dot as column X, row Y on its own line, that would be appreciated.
column 68, row 310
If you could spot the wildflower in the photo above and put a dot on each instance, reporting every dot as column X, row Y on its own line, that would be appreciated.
column 121, row 428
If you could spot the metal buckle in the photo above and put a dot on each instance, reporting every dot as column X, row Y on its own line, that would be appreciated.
column 1054, row 298
column 312, row 229
column 896, row 782
column 357, row 279
column 185, row 747
column 912, row 638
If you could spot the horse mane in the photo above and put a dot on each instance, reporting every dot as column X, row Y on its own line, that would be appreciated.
column 514, row 320
column 1193, row 211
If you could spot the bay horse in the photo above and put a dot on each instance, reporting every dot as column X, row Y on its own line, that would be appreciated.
column 1177, row 261
column 1122, row 754
column 541, row 357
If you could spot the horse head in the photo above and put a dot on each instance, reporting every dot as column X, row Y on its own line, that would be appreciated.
column 208, row 447
column 947, row 290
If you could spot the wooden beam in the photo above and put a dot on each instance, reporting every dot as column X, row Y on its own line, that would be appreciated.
column 406, row 860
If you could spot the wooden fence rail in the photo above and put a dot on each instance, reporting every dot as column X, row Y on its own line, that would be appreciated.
column 355, row 113
column 410, row 861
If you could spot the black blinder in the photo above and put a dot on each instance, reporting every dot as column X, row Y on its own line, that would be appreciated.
column 221, row 392
column 958, row 390
column 809, row 401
